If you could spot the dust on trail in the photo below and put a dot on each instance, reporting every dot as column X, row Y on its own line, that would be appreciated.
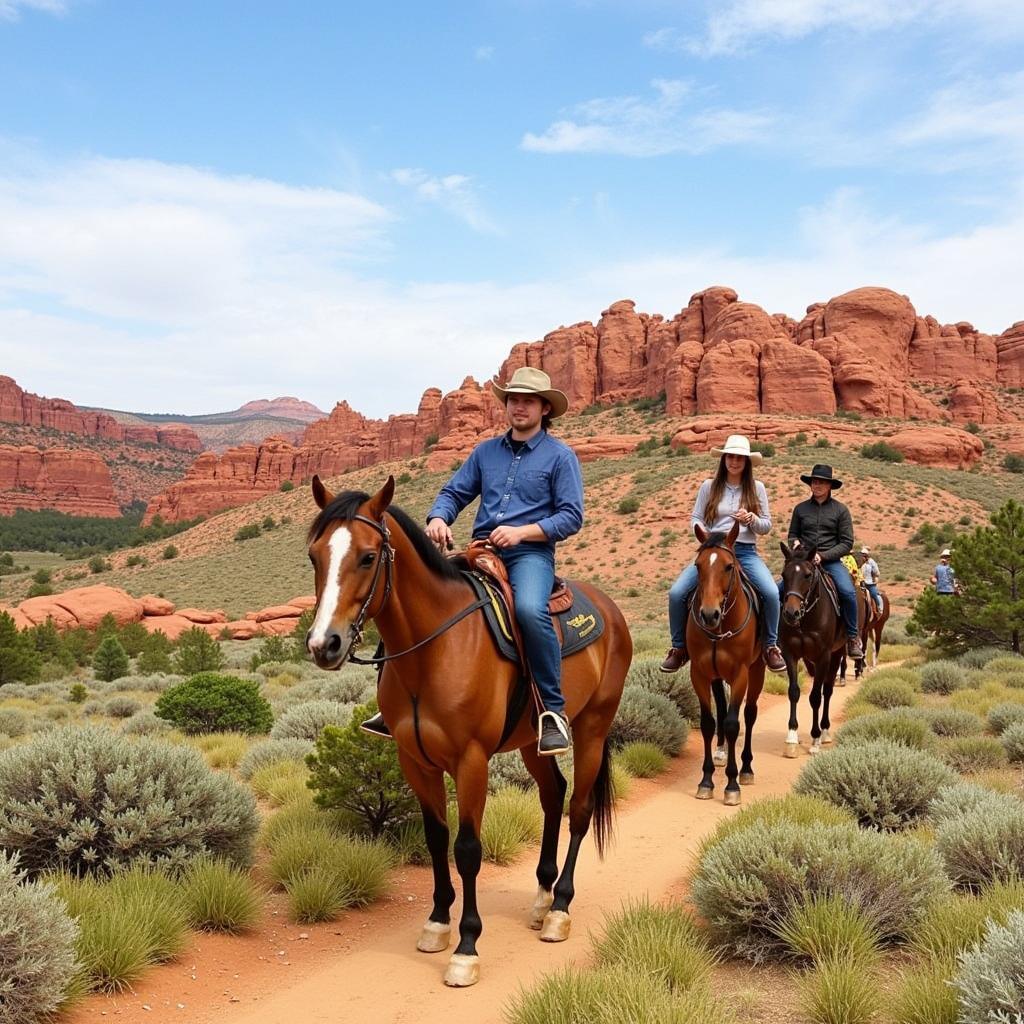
column 384, row 980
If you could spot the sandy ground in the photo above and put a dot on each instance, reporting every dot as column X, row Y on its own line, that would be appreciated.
column 366, row 967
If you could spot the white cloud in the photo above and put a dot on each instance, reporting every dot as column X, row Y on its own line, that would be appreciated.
column 483, row 53
column 454, row 193
column 631, row 126
column 737, row 24
column 10, row 10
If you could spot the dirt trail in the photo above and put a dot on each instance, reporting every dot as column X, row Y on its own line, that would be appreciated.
column 378, row 976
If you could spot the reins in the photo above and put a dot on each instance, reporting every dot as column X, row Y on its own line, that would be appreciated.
column 727, row 606
column 814, row 588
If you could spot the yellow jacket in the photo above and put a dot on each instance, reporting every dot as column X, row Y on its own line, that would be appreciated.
column 851, row 564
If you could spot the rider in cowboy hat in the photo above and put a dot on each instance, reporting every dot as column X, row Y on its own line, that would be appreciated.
column 531, row 497
column 733, row 494
column 869, row 574
column 824, row 525
column 944, row 578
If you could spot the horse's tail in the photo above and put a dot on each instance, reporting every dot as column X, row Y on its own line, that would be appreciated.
column 604, row 802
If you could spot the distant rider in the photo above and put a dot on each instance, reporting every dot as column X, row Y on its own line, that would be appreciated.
column 870, row 575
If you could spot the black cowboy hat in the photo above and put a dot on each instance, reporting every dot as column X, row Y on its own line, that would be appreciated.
column 822, row 472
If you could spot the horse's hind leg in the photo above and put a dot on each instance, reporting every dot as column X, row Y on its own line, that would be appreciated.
column 754, row 687
column 826, row 724
column 815, row 699
column 552, row 786
column 721, row 755
column 706, row 786
column 732, row 731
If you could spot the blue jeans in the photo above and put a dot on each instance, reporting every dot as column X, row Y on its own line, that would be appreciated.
column 758, row 573
column 872, row 589
column 847, row 594
column 531, row 571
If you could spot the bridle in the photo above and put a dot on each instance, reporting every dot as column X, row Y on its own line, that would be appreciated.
column 385, row 564
column 727, row 605
column 814, row 589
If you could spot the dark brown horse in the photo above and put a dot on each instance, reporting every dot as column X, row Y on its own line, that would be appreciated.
column 873, row 624
column 811, row 631
column 722, row 638
column 445, row 695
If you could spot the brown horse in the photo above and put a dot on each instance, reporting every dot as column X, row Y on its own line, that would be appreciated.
column 722, row 638
column 810, row 630
column 446, row 695
column 878, row 619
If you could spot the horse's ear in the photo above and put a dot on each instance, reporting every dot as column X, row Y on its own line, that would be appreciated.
column 321, row 495
column 701, row 534
column 380, row 501
column 787, row 552
column 730, row 537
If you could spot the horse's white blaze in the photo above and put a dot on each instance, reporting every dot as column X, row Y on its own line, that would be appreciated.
column 713, row 558
column 338, row 545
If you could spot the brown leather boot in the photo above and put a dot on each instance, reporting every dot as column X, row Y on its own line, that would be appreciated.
column 675, row 659
column 854, row 651
column 773, row 659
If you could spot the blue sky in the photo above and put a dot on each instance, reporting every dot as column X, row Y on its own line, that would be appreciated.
column 205, row 203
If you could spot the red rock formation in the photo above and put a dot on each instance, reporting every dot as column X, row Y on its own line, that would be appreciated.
column 943, row 355
column 1010, row 348
column 288, row 407
column 938, row 446
column 795, row 379
column 621, row 350
column 77, row 482
column 728, row 379
column 975, row 403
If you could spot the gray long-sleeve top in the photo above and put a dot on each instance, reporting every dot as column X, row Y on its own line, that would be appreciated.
column 731, row 498
column 824, row 526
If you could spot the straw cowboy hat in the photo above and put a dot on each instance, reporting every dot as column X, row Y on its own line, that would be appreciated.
column 822, row 472
column 865, row 550
column 737, row 444
column 945, row 553
column 528, row 381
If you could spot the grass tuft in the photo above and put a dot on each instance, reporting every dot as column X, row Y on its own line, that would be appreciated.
column 642, row 760
column 512, row 819
column 839, row 992
column 829, row 928
column 221, row 898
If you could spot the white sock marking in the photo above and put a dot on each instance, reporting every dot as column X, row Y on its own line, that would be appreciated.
column 338, row 545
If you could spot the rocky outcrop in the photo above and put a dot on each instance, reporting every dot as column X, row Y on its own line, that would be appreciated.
column 287, row 407
column 1010, row 356
column 76, row 482
column 938, row 446
column 18, row 406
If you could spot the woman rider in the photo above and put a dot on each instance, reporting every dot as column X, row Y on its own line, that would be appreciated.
column 732, row 495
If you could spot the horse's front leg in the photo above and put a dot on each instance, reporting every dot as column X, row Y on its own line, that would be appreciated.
column 471, row 792
column 720, row 755
column 792, row 735
column 428, row 785
column 820, row 674
column 732, row 732
column 826, row 724
column 754, row 686
column 706, row 786
column 551, row 785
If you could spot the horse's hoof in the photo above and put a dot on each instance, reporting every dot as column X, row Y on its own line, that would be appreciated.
column 842, row 682
column 815, row 749
column 463, row 970
column 792, row 750
column 705, row 792
column 746, row 778
column 541, row 906
column 719, row 758
column 732, row 798
column 556, row 927
column 826, row 737
column 434, row 938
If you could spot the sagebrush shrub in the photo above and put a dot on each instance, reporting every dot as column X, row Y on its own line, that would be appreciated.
column 346, row 687
column 121, row 707
column 1001, row 716
column 210, row 702
column 14, row 722
column 886, row 786
column 963, row 798
column 973, row 753
column 144, row 723
column 898, row 726
column 646, row 672
column 37, row 947
column 1005, row 663
column 942, row 677
column 508, row 770
column 946, row 721
column 748, row 882
column 979, row 657
column 306, row 721
column 887, row 693
column 990, row 978
column 89, row 800
column 648, row 717
column 269, row 752
column 1013, row 742
column 985, row 844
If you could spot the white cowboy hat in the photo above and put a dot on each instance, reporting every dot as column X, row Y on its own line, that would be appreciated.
column 737, row 444
column 529, row 381
column 945, row 553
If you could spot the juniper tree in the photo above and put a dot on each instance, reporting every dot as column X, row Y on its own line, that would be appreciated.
column 110, row 660
column 19, row 660
column 197, row 652
column 989, row 565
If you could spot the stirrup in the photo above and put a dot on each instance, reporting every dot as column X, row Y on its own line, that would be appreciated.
column 376, row 726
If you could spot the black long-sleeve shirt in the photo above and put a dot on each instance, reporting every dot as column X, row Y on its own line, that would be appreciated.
column 825, row 526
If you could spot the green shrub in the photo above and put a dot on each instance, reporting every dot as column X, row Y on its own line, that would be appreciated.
column 220, row 897
column 887, row 786
column 887, row 693
column 37, row 947
column 169, row 552
column 78, row 693
column 925, row 995
column 1002, row 716
column 656, row 941
column 822, row 442
column 990, row 978
column 98, row 564
column 248, row 532
column 512, row 819
column 144, row 723
column 509, row 770
column 973, row 753
column 979, row 657
column 134, row 638
column 628, row 506
column 882, row 451
column 209, row 702
column 1013, row 463
column 642, row 760
column 827, row 928
column 110, row 660
column 1013, row 742
column 900, row 726
column 307, row 720
column 14, row 722
column 90, row 800
column 1004, row 662
column 20, row 662
column 282, row 783
column 155, row 655
column 942, row 677
column 983, row 845
column 286, row 485
column 946, row 721
column 676, row 686
column 749, row 880
column 647, row 717
column 357, row 773
column 963, row 798
column 271, row 752
column 197, row 652
column 149, row 896
column 839, row 992
column 959, row 920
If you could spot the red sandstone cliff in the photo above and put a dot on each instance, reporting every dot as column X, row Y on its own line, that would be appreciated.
column 76, row 482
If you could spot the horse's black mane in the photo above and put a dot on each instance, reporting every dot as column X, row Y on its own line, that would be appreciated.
column 346, row 504
column 714, row 540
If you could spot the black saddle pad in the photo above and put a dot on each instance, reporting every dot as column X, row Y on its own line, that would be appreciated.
column 581, row 624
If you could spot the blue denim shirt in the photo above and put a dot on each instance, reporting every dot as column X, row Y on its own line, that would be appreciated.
column 945, row 579
column 541, row 484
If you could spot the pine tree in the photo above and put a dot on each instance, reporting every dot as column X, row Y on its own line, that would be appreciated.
column 989, row 565
column 155, row 655
column 110, row 660
column 19, row 660
column 197, row 652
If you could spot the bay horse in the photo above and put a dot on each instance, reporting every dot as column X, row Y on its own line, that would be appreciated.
column 878, row 619
column 445, row 693
column 810, row 630
column 725, row 647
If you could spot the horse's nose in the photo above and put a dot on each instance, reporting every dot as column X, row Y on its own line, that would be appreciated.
column 710, row 616
column 328, row 648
